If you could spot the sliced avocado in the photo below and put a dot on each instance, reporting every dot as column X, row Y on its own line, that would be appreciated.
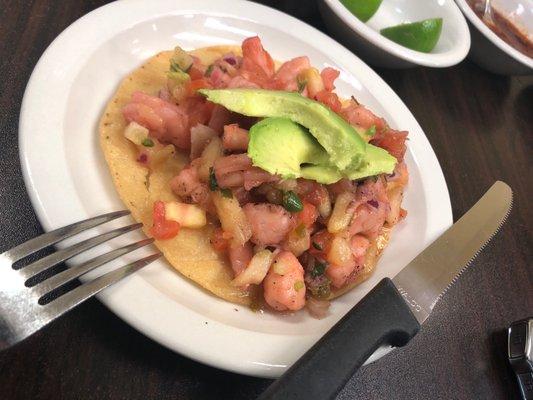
column 281, row 146
column 344, row 151
column 377, row 161
column 344, row 146
column 321, row 173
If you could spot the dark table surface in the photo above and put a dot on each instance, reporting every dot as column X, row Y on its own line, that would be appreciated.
column 480, row 126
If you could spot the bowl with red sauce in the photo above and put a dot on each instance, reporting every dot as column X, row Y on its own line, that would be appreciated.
column 502, row 34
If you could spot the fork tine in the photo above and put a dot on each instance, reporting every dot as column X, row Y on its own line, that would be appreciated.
column 78, row 295
column 70, row 274
column 64, row 254
column 47, row 239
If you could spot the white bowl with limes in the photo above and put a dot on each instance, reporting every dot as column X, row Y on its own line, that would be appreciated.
column 367, row 41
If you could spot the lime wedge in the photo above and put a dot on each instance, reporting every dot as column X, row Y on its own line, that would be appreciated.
column 362, row 9
column 421, row 36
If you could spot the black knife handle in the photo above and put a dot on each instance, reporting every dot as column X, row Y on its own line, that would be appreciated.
column 381, row 317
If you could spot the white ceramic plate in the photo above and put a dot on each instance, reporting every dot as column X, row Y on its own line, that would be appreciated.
column 68, row 180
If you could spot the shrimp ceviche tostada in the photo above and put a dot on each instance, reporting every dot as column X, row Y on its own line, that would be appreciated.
column 255, row 179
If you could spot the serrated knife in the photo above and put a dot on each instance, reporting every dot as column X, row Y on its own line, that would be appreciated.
column 393, row 311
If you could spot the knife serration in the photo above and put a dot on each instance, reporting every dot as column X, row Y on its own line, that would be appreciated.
column 430, row 274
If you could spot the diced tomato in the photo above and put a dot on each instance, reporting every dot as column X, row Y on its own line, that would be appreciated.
column 254, row 53
column 308, row 215
column 196, row 84
column 329, row 75
column 314, row 193
column 195, row 72
column 329, row 99
column 321, row 244
column 163, row 229
column 220, row 240
column 393, row 141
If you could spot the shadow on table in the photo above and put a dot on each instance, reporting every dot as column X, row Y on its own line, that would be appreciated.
column 168, row 369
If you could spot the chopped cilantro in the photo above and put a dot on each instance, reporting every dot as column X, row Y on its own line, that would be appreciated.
column 226, row 193
column 213, row 184
column 371, row 131
column 318, row 270
column 147, row 142
column 317, row 246
column 301, row 85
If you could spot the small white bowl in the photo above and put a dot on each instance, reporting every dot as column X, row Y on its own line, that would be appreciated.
column 366, row 41
column 490, row 51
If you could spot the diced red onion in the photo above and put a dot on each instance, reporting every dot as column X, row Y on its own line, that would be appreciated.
column 373, row 203
column 317, row 308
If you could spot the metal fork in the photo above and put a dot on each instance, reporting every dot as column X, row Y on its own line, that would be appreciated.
column 21, row 310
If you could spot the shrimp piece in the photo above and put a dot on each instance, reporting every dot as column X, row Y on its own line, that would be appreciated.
column 185, row 182
column 270, row 223
column 219, row 117
column 232, row 163
column 235, row 138
column 359, row 245
column 240, row 256
column 254, row 177
column 284, row 287
column 369, row 218
column 143, row 115
column 339, row 274
column 172, row 124
column 285, row 77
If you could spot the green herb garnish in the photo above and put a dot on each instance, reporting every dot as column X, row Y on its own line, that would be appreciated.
column 226, row 193
column 291, row 202
column 209, row 70
column 317, row 246
column 371, row 131
column 301, row 85
column 213, row 184
column 318, row 270
column 323, row 291
column 174, row 67
column 147, row 142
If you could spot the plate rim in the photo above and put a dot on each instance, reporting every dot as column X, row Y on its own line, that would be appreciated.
column 28, row 165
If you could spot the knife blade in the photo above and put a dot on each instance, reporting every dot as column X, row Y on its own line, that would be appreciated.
column 393, row 311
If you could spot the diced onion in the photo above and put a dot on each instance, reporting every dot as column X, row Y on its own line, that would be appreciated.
column 317, row 308
column 136, row 133
column 159, row 156
column 314, row 82
column 210, row 154
column 324, row 208
column 232, row 218
column 298, row 242
column 395, row 202
column 341, row 215
column 187, row 215
column 256, row 270
column 340, row 252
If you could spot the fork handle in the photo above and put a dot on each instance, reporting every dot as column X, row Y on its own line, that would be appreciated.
column 381, row 317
